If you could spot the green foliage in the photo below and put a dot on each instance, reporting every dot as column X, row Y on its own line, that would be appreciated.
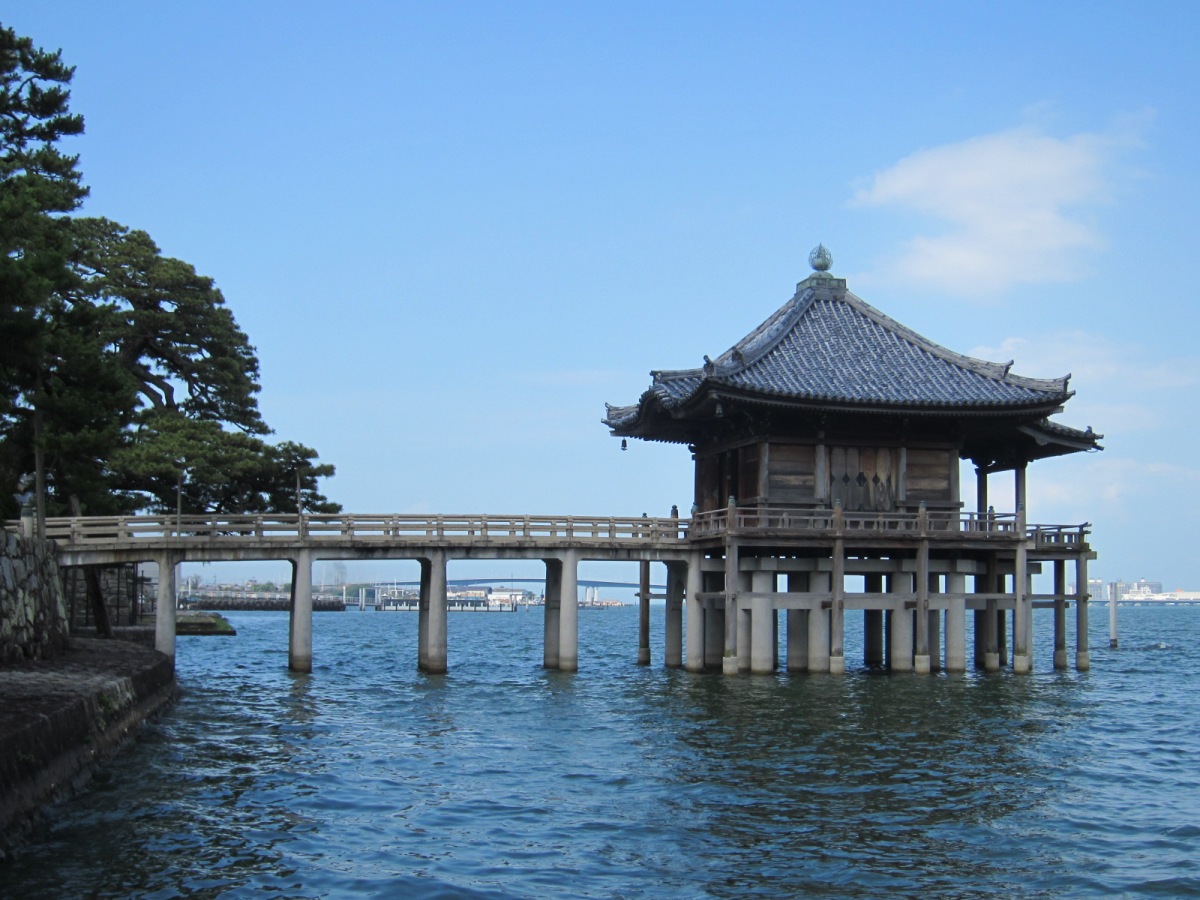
column 222, row 471
column 127, row 363
column 169, row 325
column 38, row 184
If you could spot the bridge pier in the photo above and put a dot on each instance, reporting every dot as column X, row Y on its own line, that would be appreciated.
column 551, row 613
column 164, row 614
column 300, row 619
column 568, row 614
column 560, row 632
column 431, row 621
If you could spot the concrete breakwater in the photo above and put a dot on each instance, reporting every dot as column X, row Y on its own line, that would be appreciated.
column 260, row 604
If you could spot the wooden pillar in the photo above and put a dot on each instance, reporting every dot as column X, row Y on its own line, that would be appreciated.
column 694, row 660
column 550, row 624
column 164, row 614
column 797, row 626
column 300, row 620
column 1083, row 656
column 873, row 625
column 643, row 653
column 677, row 574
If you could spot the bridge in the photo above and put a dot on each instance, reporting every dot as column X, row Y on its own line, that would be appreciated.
column 745, row 548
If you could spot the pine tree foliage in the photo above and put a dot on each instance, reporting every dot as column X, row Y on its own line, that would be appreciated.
column 123, row 366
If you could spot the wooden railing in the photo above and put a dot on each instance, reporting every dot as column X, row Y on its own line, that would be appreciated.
column 923, row 522
column 342, row 527
column 465, row 529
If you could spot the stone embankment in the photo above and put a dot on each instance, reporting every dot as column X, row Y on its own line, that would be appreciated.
column 66, row 704
column 33, row 607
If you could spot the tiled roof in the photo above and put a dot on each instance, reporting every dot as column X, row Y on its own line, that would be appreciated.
column 827, row 346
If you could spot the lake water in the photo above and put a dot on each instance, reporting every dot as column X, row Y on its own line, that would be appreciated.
column 501, row 779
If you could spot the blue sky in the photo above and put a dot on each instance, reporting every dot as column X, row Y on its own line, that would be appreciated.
column 454, row 230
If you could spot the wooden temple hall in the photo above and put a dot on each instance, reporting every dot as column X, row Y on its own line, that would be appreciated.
column 827, row 445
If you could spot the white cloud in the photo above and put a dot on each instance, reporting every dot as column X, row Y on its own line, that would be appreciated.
column 1013, row 205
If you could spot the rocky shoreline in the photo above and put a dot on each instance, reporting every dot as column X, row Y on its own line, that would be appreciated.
column 62, row 717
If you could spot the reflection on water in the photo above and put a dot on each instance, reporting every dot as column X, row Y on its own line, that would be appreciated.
column 503, row 779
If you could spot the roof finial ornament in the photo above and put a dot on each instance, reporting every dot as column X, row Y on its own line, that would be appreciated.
column 820, row 259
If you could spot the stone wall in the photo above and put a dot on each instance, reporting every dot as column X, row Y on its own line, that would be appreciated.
column 33, row 608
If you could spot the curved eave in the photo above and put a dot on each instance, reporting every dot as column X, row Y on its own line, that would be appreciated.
column 652, row 420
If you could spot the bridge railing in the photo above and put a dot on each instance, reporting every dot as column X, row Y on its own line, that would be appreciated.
column 342, row 526
column 925, row 522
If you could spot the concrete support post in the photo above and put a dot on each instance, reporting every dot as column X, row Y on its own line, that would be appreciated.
column 818, row 627
column 956, row 623
column 423, row 614
column 643, row 653
column 762, row 625
column 744, row 610
column 550, row 624
column 837, row 610
column 797, row 626
column 1022, row 615
column 729, row 657
column 921, row 661
column 873, row 625
column 993, row 628
column 677, row 575
column 164, row 616
column 873, row 637
column 694, row 660
column 714, row 634
column 300, row 621
column 1060, row 614
column 431, row 633
column 900, row 632
column 1083, row 656
column 568, row 614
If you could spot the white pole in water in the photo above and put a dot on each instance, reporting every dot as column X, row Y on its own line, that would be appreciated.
column 1112, row 620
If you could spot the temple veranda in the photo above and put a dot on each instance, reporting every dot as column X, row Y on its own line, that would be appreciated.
column 826, row 445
